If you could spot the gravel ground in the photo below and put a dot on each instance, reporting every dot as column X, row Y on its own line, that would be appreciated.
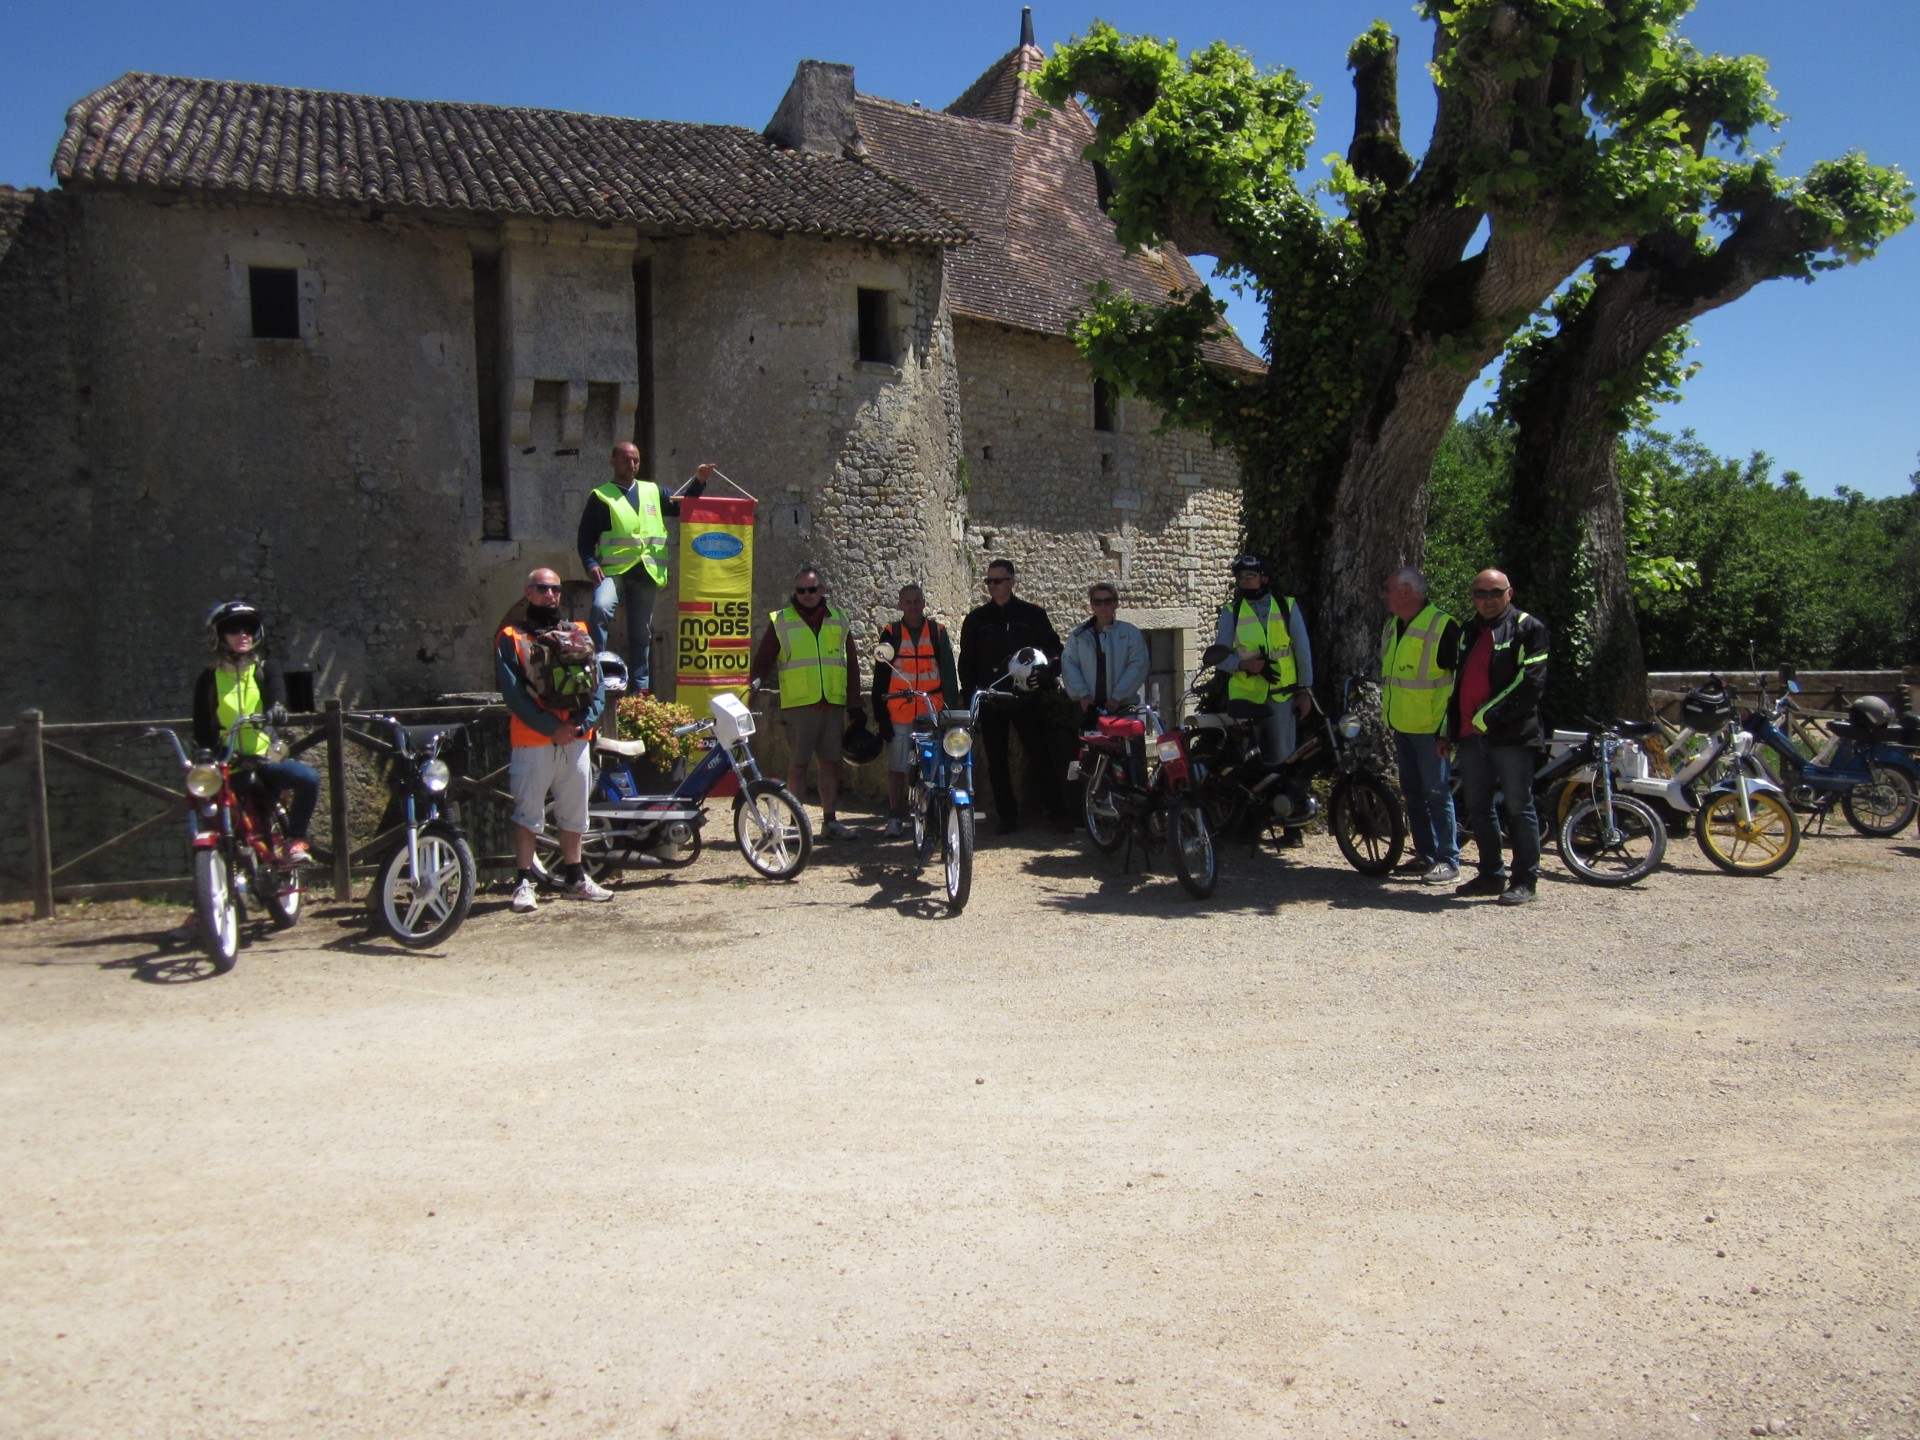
column 1320, row 1156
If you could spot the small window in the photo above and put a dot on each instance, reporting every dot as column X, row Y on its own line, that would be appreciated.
column 275, row 294
column 876, row 333
column 1102, row 406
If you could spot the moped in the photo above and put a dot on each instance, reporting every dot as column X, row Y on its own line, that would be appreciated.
column 1872, row 780
column 424, row 886
column 237, row 836
column 1140, row 790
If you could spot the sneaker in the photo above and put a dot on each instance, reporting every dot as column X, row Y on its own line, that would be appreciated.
column 298, row 853
column 524, row 899
column 895, row 830
column 1483, row 884
column 1518, row 895
column 834, row 830
column 1444, row 873
column 1415, row 865
column 587, row 888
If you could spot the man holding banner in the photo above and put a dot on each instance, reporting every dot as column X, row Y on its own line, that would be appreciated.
column 623, row 547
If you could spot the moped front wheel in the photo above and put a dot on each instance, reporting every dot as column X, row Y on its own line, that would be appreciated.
column 1883, row 805
column 1367, row 823
column 958, row 848
column 1104, row 826
column 1758, row 846
column 1613, row 846
column 213, row 903
column 773, row 832
column 921, row 809
column 424, row 911
column 1194, row 859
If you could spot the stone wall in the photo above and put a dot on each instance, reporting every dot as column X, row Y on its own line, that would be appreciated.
column 1068, row 504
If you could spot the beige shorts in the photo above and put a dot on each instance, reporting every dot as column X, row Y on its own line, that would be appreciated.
column 563, row 771
column 815, row 730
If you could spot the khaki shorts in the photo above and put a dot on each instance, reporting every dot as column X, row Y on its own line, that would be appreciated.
column 563, row 771
column 815, row 730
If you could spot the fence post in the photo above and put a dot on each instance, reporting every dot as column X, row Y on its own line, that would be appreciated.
column 337, row 801
column 39, row 835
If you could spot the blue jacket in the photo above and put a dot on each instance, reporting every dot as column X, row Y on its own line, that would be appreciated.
column 1126, row 650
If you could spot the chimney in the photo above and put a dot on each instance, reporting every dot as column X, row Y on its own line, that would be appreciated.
column 1026, row 25
column 816, row 113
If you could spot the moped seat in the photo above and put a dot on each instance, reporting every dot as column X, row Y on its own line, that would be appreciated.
column 1119, row 727
column 631, row 749
column 1632, row 728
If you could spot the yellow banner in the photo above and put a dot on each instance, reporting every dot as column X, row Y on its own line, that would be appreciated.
column 713, row 649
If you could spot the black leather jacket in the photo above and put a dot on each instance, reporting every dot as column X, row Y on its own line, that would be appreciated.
column 1518, row 671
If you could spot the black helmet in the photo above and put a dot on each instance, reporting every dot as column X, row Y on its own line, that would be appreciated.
column 859, row 745
column 234, row 615
column 1249, row 561
column 1870, row 713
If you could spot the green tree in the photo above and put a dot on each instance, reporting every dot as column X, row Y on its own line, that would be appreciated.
column 1554, row 129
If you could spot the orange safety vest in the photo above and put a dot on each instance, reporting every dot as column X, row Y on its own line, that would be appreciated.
column 518, row 731
column 915, row 667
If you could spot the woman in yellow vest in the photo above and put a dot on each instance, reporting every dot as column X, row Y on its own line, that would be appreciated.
column 1419, row 650
column 241, row 682
column 808, row 649
column 623, row 548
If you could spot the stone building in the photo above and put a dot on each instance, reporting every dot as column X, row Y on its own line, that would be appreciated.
column 361, row 360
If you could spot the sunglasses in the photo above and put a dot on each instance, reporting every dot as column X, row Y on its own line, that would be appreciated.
column 547, row 589
column 1488, row 594
column 999, row 579
column 1105, row 600
column 806, row 589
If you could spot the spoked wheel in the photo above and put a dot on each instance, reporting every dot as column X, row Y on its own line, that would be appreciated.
column 774, row 833
column 427, row 912
column 1366, row 820
column 278, row 887
column 596, row 849
column 1104, row 826
column 1194, row 860
column 1883, row 805
column 213, row 903
column 1748, row 847
column 922, row 821
column 959, row 856
column 1614, row 847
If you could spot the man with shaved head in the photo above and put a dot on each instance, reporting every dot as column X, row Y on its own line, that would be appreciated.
column 1493, row 732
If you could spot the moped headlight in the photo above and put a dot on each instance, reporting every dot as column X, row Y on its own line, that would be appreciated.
column 1349, row 727
column 435, row 776
column 957, row 742
column 1742, row 743
column 203, row 781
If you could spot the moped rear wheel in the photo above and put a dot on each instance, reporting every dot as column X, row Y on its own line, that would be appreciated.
column 774, row 834
column 1757, row 847
column 958, row 849
column 1367, row 823
column 1883, row 805
column 278, row 888
column 1104, row 826
column 1615, row 847
column 213, row 903
column 1194, row 860
column 596, row 849
column 422, row 914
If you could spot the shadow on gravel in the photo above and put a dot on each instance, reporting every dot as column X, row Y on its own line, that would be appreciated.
column 900, row 886
column 1260, row 884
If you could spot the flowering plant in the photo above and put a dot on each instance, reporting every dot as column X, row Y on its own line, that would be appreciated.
column 641, row 717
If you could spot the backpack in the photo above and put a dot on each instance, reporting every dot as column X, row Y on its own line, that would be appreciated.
column 562, row 668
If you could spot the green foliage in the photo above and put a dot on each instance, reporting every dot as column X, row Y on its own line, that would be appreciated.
column 1802, row 579
column 1467, row 502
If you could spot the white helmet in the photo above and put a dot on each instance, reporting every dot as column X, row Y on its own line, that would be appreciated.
column 613, row 674
column 1027, row 669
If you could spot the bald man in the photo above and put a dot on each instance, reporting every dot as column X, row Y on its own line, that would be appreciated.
column 1494, row 735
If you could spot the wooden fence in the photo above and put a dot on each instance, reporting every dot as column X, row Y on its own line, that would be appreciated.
column 35, row 744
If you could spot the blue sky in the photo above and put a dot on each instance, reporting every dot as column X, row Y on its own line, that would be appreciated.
column 1821, row 377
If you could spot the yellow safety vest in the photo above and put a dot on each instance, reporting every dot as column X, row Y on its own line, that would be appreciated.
column 639, row 533
column 237, row 694
column 1414, row 697
column 813, row 666
column 1275, row 641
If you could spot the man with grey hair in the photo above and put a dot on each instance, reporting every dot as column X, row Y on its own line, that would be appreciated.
column 1419, row 651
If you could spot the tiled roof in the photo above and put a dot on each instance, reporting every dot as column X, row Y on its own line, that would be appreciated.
column 1040, row 239
column 270, row 141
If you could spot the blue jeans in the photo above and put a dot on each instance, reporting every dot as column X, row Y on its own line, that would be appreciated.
column 1274, row 726
column 305, row 785
column 635, row 593
column 1423, row 780
column 1510, row 767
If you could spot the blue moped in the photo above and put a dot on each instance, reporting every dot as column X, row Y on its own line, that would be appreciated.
column 1873, row 781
